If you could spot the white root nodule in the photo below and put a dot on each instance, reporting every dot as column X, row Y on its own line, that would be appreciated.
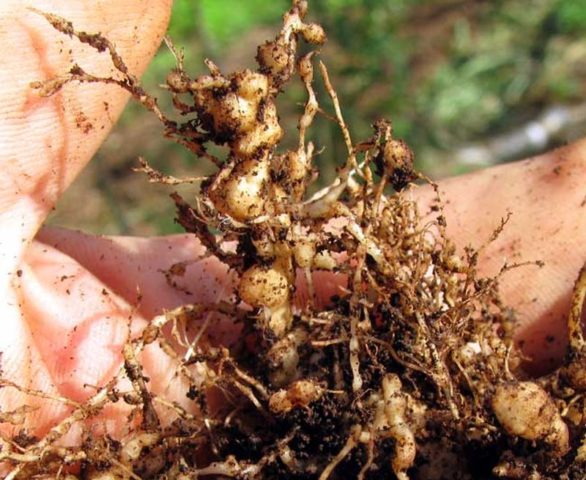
column 526, row 410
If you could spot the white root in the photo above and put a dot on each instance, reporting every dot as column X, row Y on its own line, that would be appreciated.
column 284, row 357
column 575, row 371
column 351, row 443
column 575, row 333
column 242, row 194
column 324, row 261
column 395, row 410
column 228, row 468
column 407, row 308
column 278, row 319
column 133, row 447
column 264, row 286
column 371, row 247
column 299, row 394
column 526, row 410
column 90, row 408
column 354, row 347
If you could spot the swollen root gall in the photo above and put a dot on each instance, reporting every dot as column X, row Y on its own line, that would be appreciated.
column 525, row 410
column 408, row 370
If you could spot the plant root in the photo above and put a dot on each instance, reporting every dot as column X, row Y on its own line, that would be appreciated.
column 409, row 371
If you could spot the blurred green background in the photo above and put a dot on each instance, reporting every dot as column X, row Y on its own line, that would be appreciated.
column 467, row 83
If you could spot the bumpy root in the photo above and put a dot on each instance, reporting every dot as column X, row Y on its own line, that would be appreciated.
column 409, row 371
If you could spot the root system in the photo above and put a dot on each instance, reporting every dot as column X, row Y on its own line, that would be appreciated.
column 408, row 371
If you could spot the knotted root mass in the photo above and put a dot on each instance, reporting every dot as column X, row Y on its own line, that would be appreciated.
column 408, row 372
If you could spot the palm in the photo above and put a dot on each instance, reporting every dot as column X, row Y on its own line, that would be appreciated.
column 68, row 296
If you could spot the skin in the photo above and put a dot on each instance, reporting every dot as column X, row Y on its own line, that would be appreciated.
column 67, row 297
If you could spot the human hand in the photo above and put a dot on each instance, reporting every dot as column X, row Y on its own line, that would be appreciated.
column 68, row 296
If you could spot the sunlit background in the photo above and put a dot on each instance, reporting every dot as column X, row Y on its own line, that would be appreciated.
column 468, row 83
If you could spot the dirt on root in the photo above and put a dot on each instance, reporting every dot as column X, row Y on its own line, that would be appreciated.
column 409, row 372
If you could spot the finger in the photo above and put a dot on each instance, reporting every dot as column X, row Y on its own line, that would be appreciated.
column 70, row 343
column 547, row 199
column 134, row 267
column 139, row 268
column 47, row 141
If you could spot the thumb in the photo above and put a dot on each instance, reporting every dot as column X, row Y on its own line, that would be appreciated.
column 45, row 142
